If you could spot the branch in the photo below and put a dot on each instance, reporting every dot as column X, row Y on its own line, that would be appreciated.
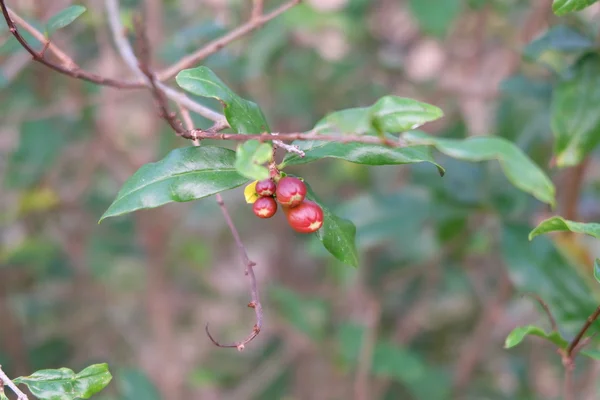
column 542, row 303
column 218, row 44
column 72, row 71
column 6, row 381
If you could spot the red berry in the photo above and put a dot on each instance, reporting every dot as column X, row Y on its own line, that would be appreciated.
column 290, row 191
column 265, row 188
column 264, row 207
column 305, row 218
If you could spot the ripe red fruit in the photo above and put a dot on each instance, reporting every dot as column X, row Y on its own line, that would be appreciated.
column 264, row 207
column 305, row 218
column 265, row 188
column 290, row 191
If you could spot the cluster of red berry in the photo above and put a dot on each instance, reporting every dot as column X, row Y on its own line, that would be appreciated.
column 303, row 215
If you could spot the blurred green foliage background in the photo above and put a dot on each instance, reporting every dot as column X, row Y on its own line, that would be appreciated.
column 444, row 261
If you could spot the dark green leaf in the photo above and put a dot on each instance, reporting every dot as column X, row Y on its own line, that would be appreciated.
column 360, row 153
column 562, row 7
column 186, row 174
column 63, row 18
column 434, row 16
column 244, row 116
column 575, row 118
column 554, row 224
column 517, row 167
column 338, row 235
column 135, row 385
column 250, row 157
column 64, row 384
column 389, row 114
column 519, row 333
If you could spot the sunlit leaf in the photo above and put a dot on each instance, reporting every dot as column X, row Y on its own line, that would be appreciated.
column 518, row 334
column 517, row 167
column 185, row 174
column 63, row 18
column 64, row 384
column 250, row 157
column 562, row 7
column 575, row 118
column 244, row 116
column 555, row 224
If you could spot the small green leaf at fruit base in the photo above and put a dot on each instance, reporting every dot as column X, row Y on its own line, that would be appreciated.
column 518, row 334
column 574, row 118
column 185, row 174
column 556, row 224
column 63, row 18
column 64, row 384
column 562, row 7
column 250, row 192
column 390, row 114
column 244, row 116
column 250, row 157
column 361, row 153
column 338, row 235
column 517, row 167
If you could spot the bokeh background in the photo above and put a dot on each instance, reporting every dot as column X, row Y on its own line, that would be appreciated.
column 444, row 261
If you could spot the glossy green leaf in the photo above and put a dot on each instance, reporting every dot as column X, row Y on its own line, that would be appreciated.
column 251, row 157
column 64, row 384
column 361, row 153
column 338, row 235
column 518, row 334
column 562, row 7
column 185, row 174
column 243, row 116
column 554, row 224
column 391, row 114
column 517, row 167
column 575, row 118
column 434, row 16
column 597, row 269
column 63, row 18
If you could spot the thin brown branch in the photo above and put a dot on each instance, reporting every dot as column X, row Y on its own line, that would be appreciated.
column 216, row 45
column 588, row 322
column 6, row 381
column 257, row 9
column 546, row 309
column 74, row 72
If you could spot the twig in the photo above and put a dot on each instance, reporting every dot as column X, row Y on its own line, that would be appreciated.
column 6, row 381
column 218, row 44
column 75, row 72
column 544, row 305
column 287, row 147
column 257, row 9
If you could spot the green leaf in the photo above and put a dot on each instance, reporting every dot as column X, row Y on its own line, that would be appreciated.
column 434, row 16
column 338, row 235
column 3, row 396
column 575, row 118
column 64, row 384
column 134, row 384
column 597, row 269
column 519, row 333
column 559, row 38
column 185, row 174
column 251, row 156
column 389, row 114
column 554, row 224
column 517, row 167
column 63, row 18
column 361, row 153
column 243, row 116
column 592, row 353
column 562, row 7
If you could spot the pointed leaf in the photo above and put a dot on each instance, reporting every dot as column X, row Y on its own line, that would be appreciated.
column 517, row 167
column 389, row 114
column 338, row 235
column 63, row 18
column 361, row 153
column 185, row 174
column 562, row 7
column 243, row 116
column 64, row 384
column 575, row 118
column 250, row 157
column 519, row 333
column 554, row 224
